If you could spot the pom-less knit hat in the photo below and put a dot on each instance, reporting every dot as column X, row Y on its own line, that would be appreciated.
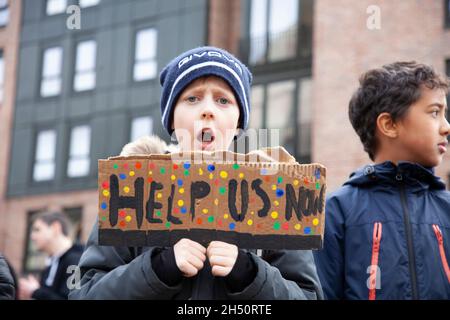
column 199, row 62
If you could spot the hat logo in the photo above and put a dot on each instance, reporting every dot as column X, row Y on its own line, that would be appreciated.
column 190, row 57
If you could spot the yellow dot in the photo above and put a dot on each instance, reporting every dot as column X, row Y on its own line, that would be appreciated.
column 180, row 203
column 131, row 173
column 274, row 214
column 159, row 195
column 297, row 226
column 276, row 203
column 241, row 175
column 150, row 173
column 315, row 221
column 211, row 176
column 225, row 216
column 216, row 201
column 106, row 193
column 205, row 210
column 250, row 222
column 172, row 177
column 223, row 174
column 128, row 218
column 181, row 190
column 295, row 182
column 200, row 171
column 253, row 212
column 274, row 187
column 126, row 189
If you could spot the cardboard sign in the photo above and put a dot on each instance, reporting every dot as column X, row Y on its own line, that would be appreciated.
column 156, row 201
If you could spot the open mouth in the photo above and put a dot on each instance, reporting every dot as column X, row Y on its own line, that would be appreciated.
column 443, row 147
column 205, row 137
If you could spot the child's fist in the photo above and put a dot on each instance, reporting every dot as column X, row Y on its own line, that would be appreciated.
column 222, row 257
column 189, row 256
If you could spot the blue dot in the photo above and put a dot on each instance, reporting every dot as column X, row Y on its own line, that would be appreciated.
column 307, row 230
column 280, row 193
column 317, row 173
column 183, row 210
column 187, row 165
column 211, row 168
column 263, row 171
column 232, row 226
column 180, row 182
column 104, row 206
column 122, row 176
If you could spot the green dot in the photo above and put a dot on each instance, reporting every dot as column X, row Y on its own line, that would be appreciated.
column 186, row 172
column 317, row 185
column 103, row 218
column 280, row 179
column 162, row 170
column 222, row 190
column 158, row 213
column 235, row 166
column 115, row 166
column 167, row 224
column 276, row 225
column 211, row 219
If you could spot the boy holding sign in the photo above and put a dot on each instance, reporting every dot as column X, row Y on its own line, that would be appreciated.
column 205, row 101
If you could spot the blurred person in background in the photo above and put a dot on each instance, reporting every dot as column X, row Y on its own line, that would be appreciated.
column 50, row 234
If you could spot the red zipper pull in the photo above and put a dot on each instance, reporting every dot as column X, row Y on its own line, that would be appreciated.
column 440, row 239
column 377, row 231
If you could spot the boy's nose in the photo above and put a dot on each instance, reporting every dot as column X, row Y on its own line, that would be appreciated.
column 446, row 127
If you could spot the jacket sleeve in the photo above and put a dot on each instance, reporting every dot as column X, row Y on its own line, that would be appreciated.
column 118, row 273
column 330, row 260
column 284, row 275
column 7, row 285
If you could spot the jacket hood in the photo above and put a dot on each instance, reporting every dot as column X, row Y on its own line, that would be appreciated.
column 387, row 173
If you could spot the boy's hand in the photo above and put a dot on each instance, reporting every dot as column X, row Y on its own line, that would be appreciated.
column 222, row 257
column 189, row 256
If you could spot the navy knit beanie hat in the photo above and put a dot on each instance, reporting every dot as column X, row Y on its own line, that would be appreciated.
column 199, row 62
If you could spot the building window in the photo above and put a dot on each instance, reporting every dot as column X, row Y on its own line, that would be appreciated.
column 2, row 76
column 44, row 161
column 84, row 78
column 51, row 72
column 285, row 106
column 273, row 30
column 145, row 65
column 88, row 3
column 447, row 13
column 141, row 126
column 4, row 13
column 80, row 145
column 55, row 7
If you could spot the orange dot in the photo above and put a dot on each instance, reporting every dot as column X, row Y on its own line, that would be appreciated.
column 199, row 220
column 138, row 165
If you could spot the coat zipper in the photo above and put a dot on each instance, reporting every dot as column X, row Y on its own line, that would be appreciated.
column 377, row 231
column 409, row 241
column 440, row 240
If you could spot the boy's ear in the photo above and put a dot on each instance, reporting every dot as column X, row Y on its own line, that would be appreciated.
column 386, row 125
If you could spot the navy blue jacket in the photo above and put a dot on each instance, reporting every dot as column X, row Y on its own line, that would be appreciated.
column 387, row 235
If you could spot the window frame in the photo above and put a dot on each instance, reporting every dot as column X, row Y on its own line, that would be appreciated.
column 41, row 73
column 134, row 59
column 46, row 14
column 74, row 66
column 35, row 149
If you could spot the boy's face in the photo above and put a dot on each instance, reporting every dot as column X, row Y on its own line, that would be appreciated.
column 422, row 133
column 206, row 115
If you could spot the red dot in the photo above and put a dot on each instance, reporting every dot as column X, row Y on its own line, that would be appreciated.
column 125, row 165
column 305, row 180
column 258, row 226
column 151, row 166
column 267, row 178
column 149, row 179
column 219, row 223
column 216, row 182
column 199, row 220
column 176, row 210
column 175, row 167
column 138, row 165
column 122, row 223
column 285, row 226
column 105, row 185
column 122, row 213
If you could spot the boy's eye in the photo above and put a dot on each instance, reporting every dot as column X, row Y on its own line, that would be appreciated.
column 435, row 113
column 192, row 99
column 223, row 100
